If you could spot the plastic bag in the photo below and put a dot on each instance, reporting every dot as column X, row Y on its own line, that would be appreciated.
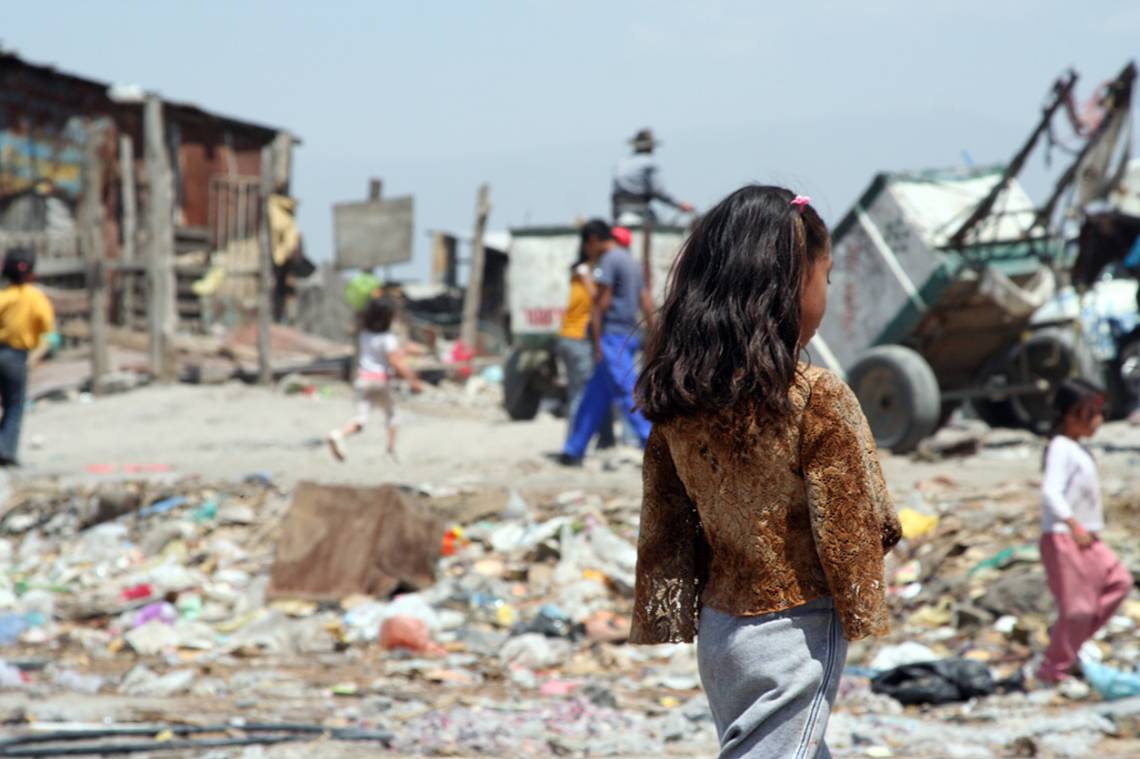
column 938, row 682
column 1110, row 683
column 360, row 289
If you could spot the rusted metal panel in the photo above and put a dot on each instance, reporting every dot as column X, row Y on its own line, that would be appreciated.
column 44, row 114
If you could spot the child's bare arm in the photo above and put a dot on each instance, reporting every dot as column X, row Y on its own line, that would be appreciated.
column 400, row 366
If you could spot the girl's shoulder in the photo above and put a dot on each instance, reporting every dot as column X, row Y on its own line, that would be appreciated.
column 1061, row 448
column 822, row 390
column 1059, row 444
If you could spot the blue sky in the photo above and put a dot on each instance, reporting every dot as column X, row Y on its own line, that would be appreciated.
column 537, row 98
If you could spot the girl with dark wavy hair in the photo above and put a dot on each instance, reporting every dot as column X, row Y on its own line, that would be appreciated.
column 765, row 516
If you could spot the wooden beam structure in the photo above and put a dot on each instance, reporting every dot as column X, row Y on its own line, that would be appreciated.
column 162, row 317
column 128, row 198
column 265, row 272
column 94, row 253
column 474, row 296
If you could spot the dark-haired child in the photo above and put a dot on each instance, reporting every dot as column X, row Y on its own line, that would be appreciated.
column 26, row 316
column 765, row 516
column 1084, row 575
column 381, row 361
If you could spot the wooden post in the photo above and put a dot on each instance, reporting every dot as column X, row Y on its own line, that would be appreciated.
column 91, row 213
column 162, row 317
column 265, row 272
column 442, row 256
column 374, row 188
column 130, row 223
column 474, row 296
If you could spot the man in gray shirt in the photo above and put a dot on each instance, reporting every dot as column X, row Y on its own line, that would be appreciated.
column 622, row 298
column 637, row 183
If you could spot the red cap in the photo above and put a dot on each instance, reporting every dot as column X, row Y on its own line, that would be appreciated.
column 623, row 236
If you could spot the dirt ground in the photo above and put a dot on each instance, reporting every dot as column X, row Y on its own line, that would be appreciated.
column 228, row 432
column 450, row 437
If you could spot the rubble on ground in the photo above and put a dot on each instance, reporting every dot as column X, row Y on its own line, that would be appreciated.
column 125, row 603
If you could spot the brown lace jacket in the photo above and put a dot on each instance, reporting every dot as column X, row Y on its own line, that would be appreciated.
column 754, row 518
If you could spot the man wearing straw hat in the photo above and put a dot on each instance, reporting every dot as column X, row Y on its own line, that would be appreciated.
column 637, row 183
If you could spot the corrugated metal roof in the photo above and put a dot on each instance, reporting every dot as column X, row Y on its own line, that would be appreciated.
column 189, row 109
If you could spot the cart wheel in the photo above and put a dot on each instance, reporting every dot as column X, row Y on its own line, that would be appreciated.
column 1051, row 354
column 997, row 411
column 521, row 393
column 1124, row 377
column 899, row 395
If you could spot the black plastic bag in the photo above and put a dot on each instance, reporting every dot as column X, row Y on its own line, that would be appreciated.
column 936, row 682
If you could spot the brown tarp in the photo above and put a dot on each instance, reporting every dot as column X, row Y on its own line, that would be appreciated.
column 339, row 540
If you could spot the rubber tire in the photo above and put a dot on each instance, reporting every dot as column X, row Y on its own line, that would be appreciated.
column 1123, row 396
column 996, row 413
column 899, row 395
column 521, row 393
column 1035, row 412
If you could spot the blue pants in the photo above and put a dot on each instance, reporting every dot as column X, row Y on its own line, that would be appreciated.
column 578, row 358
column 613, row 379
column 13, row 392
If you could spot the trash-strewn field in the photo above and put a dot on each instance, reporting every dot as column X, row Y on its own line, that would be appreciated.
column 140, row 602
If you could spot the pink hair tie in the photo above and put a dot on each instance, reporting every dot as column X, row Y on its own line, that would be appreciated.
column 800, row 201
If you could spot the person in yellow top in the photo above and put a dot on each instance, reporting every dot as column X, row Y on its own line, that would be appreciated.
column 575, row 345
column 26, row 317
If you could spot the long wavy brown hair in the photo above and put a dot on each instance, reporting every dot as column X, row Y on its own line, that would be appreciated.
column 729, row 329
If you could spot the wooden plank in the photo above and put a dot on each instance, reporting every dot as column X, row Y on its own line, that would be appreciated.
column 443, row 260
column 130, row 220
column 91, row 224
column 161, row 315
column 473, row 297
column 265, row 281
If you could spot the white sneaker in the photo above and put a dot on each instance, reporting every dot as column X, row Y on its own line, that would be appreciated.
column 336, row 444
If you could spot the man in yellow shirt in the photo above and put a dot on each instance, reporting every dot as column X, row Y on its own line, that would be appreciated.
column 26, row 316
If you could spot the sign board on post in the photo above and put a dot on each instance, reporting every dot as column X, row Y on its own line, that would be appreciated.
column 373, row 233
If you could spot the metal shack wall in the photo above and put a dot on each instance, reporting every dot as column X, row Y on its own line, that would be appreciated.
column 44, row 116
column 208, row 149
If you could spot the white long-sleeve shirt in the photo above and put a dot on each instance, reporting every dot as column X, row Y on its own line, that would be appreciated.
column 1070, row 488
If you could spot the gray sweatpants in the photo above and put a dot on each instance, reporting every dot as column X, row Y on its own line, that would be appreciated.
column 771, row 680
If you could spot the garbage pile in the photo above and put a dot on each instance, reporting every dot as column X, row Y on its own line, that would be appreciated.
column 468, row 619
column 146, row 597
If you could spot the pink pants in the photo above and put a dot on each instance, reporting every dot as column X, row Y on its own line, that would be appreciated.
column 1088, row 584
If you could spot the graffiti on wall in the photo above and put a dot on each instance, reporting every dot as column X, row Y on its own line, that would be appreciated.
column 46, row 156
column 41, row 179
